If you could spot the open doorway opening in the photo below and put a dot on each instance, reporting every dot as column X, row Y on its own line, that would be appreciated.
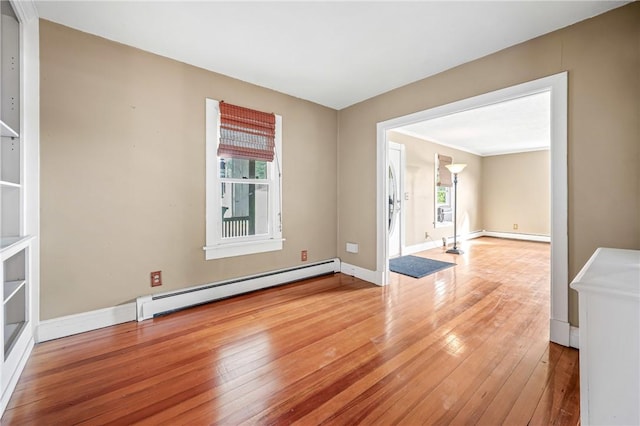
column 556, row 86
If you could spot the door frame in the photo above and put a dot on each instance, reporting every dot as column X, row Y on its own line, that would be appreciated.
column 557, row 85
column 400, row 177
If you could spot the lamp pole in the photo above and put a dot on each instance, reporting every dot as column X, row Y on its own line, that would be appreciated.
column 455, row 169
column 455, row 249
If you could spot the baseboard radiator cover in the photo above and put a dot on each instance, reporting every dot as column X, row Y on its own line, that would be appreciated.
column 164, row 303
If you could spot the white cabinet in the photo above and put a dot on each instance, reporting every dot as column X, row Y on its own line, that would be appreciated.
column 609, row 298
column 15, row 245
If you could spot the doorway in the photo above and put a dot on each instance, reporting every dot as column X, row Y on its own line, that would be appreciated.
column 557, row 86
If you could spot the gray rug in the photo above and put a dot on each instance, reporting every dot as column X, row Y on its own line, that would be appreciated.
column 417, row 267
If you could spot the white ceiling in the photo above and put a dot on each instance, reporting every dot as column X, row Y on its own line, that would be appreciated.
column 517, row 125
column 333, row 53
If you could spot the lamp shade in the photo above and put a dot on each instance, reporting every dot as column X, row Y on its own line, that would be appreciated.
column 456, row 168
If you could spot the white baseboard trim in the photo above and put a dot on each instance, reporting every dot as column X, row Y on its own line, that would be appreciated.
column 79, row 323
column 428, row 245
column 416, row 248
column 514, row 236
column 574, row 337
column 559, row 332
column 149, row 306
column 362, row 273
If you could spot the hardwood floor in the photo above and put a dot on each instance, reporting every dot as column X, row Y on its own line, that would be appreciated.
column 467, row 345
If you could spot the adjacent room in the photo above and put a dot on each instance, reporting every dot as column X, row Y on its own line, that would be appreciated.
column 199, row 202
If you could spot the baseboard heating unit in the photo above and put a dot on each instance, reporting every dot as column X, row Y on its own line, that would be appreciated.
column 163, row 303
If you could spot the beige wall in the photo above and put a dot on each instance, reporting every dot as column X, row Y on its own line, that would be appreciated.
column 122, row 158
column 515, row 190
column 420, row 185
column 602, row 57
column 123, row 173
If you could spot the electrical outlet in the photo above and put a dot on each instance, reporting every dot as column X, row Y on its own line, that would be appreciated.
column 515, row 226
column 156, row 278
column 303, row 255
column 426, row 235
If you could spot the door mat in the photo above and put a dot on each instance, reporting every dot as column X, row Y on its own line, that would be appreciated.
column 417, row 267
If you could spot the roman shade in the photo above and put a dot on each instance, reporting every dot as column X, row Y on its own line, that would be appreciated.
column 444, row 175
column 246, row 133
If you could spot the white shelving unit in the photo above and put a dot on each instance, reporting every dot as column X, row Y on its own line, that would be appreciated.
column 15, row 244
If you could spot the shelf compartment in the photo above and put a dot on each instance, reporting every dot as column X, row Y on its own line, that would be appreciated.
column 11, row 288
column 14, row 297
column 7, row 131
column 10, row 160
column 11, row 245
column 10, row 208
column 10, row 72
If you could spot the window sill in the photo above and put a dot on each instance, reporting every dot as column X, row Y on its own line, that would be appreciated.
column 443, row 224
column 221, row 251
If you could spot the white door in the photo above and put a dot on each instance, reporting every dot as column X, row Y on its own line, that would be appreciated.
column 395, row 201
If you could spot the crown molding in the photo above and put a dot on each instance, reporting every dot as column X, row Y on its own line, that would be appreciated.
column 25, row 9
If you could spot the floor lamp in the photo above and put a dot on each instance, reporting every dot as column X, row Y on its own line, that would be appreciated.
column 455, row 169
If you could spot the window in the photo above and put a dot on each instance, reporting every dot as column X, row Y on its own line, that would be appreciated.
column 443, row 204
column 244, row 173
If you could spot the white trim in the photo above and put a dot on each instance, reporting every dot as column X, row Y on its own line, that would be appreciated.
column 85, row 321
column 243, row 247
column 557, row 86
column 417, row 248
column 25, row 10
column 148, row 306
column 470, row 151
column 515, row 236
column 361, row 273
column 559, row 200
column 16, row 372
column 574, row 337
column 429, row 245
column 559, row 332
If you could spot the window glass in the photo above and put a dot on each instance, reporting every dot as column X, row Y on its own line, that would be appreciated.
column 442, row 195
column 245, row 210
column 239, row 168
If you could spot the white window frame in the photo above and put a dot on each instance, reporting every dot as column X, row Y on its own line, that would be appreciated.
column 217, row 247
column 437, row 224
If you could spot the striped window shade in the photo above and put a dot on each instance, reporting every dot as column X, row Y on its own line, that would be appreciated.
column 444, row 175
column 246, row 133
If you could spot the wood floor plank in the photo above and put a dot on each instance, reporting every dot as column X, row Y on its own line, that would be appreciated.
column 466, row 345
column 560, row 401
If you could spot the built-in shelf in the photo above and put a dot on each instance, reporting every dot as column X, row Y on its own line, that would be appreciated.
column 11, row 245
column 15, row 247
column 11, row 288
column 9, row 184
column 7, row 131
column 11, row 332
